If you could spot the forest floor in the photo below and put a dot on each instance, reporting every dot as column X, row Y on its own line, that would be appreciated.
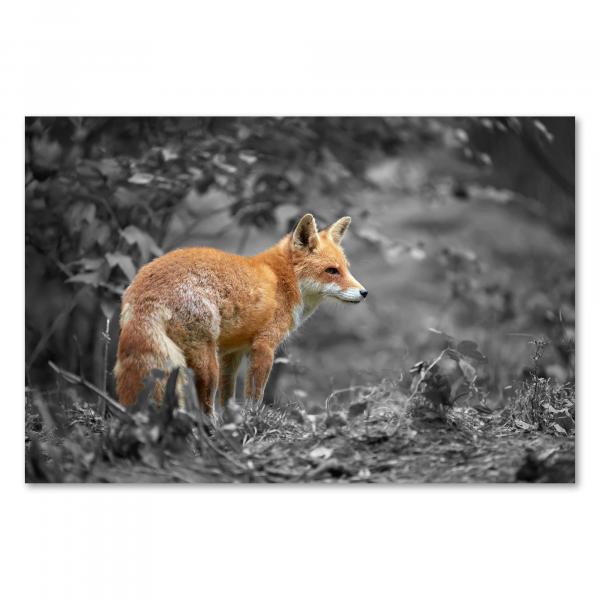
column 377, row 436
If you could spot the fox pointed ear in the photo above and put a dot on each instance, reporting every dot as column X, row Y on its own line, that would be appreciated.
column 305, row 236
column 338, row 229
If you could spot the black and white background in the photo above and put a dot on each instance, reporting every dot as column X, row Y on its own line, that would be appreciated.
column 460, row 367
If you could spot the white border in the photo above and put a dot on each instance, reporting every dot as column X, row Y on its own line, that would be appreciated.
column 307, row 58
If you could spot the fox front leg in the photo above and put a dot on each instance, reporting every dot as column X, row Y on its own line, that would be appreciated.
column 259, row 368
column 229, row 365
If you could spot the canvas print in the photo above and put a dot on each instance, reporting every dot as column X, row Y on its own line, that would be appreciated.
column 300, row 300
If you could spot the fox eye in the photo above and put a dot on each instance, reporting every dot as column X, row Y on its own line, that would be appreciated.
column 332, row 271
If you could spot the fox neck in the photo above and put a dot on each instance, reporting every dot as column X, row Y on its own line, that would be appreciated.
column 307, row 306
column 305, row 299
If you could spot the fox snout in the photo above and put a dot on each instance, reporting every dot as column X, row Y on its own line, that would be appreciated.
column 349, row 290
column 354, row 292
column 354, row 295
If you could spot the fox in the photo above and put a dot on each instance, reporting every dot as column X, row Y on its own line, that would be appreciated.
column 204, row 309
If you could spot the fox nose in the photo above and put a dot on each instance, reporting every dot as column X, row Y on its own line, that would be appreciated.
column 363, row 293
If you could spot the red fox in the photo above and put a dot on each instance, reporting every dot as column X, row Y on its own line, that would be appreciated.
column 206, row 309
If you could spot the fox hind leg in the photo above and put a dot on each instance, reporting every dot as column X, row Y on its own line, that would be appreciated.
column 204, row 363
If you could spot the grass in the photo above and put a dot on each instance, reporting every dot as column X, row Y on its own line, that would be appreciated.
column 365, row 434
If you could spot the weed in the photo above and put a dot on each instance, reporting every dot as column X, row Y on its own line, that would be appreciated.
column 544, row 404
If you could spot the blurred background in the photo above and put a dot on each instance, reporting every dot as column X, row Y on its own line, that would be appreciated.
column 461, row 226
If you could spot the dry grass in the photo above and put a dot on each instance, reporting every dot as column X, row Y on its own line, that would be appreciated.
column 366, row 434
column 545, row 405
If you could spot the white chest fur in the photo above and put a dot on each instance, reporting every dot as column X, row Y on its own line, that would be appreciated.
column 305, row 308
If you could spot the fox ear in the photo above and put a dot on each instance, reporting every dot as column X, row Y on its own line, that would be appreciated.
column 338, row 229
column 305, row 234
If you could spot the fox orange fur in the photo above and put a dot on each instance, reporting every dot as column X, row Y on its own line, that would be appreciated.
column 206, row 309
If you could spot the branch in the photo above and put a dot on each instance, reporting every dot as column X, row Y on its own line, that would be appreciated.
column 114, row 406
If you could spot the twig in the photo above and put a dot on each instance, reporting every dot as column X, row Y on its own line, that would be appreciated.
column 72, row 378
column 106, row 340
column 226, row 456
column 426, row 372
column 352, row 388
column 416, row 390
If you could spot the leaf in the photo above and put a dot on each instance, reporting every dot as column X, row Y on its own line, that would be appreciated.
column 335, row 420
column 89, row 235
column 453, row 354
column 470, row 349
column 124, row 262
column 321, row 453
column 247, row 157
column 468, row 371
column 484, row 158
column 491, row 194
column 150, row 456
column 357, row 408
column 559, row 428
column 418, row 367
column 522, row 425
column 110, row 168
column 144, row 241
column 46, row 153
column 107, row 308
column 92, row 278
column 441, row 333
column 88, row 264
column 169, row 153
column 417, row 253
column 90, row 171
column 102, row 234
column 565, row 422
column 297, row 415
column 219, row 161
column 79, row 213
column 125, row 198
column 541, row 128
column 141, row 178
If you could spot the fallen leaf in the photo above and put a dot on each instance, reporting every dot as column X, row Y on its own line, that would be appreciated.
column 357, row 408
column 560, row 429
column 321, row 453
column 470, row 349
column 141, row 178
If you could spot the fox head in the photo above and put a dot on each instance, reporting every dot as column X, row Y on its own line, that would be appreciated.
column 321, row 267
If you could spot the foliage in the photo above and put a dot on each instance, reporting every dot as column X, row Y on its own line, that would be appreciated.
column 450, row 377
column 101, row 194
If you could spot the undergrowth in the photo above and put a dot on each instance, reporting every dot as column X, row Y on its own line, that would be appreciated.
column 378, row 433
column 544, row 404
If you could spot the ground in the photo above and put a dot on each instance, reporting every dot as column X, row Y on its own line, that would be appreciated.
column 373, row 435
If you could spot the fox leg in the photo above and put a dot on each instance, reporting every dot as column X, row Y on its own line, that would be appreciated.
column 228, row 368
column 205, row 365
column 261, row 361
